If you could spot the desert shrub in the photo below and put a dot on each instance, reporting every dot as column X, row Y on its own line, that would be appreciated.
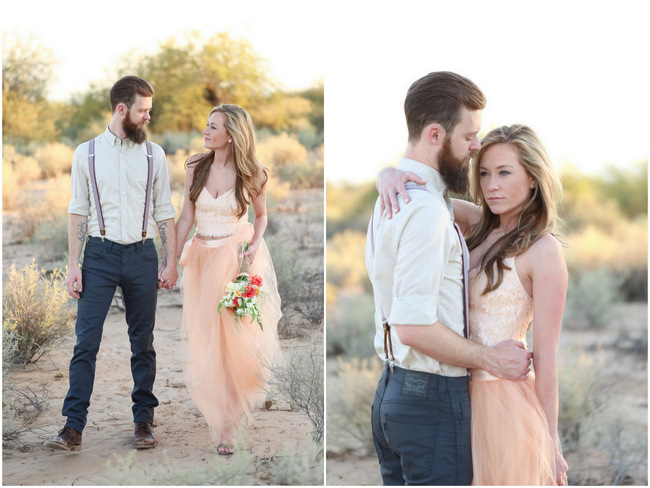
column 351, row 325
column 43, row 203
column 35, row 312
column 346, row 260
column 300, row 284
column 591, row 296
column 54, row 159
column 310, row 138
column 281, row 150
column 236, row 471
column 349, row 398
column 242, row 469
column 26, row 169
column 577, row 387
column 625, row 445
column 299, row 377
column 276, row 190
column 309, row 174
column 51, row 239
column 623, row 247
column 21, row 405
column 293, row 469
column 172, row 141
column 176, row 168
column 9, row 186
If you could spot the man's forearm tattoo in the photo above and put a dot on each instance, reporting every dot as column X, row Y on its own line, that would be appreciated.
column 81, row 231
column 162, row 228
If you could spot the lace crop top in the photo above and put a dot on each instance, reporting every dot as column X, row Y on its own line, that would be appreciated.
column 504, row 313
column 217, row 217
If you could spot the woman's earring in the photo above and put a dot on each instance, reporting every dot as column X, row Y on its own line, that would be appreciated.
column 229, row 140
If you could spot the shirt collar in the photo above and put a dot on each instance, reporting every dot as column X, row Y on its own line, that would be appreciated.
column 432, row 176
column 113, row 140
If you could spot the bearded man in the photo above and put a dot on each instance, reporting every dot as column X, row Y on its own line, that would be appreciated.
column 120, row 197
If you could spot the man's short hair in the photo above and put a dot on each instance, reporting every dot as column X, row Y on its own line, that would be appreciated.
column 127, row 88
column 438, row 97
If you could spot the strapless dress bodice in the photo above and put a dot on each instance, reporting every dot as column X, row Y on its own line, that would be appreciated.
column 217, row 217
column 502, row 314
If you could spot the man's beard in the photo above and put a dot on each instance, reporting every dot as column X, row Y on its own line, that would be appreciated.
column 134, row 132
column 454, row 171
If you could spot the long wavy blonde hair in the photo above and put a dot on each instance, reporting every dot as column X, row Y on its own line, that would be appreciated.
column 538, row 215
column 239, row 126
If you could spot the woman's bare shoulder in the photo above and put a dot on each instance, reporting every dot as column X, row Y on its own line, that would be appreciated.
column 190, row 164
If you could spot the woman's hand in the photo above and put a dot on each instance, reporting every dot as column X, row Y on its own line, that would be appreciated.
column 390, row 183
column 561, row 469
column 251, row 251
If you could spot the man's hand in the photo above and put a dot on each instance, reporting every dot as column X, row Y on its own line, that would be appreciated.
column 167, row 275
column 390, row 183
column 74, row 276
column 511, row 360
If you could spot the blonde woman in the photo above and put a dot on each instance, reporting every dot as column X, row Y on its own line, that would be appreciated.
column 226, row 358
column 517, row 275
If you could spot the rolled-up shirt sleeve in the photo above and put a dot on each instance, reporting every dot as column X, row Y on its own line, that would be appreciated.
column 162, row 198
column 419, row 267
column 80, row 201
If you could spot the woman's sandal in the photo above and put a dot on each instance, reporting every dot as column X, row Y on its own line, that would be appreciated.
column 224, row 449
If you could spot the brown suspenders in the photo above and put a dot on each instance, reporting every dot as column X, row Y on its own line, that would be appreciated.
column 93, row 182
column 388, row 343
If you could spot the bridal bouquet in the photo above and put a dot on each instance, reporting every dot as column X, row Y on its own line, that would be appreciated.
column 244, row 294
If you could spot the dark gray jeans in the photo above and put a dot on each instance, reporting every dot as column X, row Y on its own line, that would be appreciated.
column 421, row 428
column 107, row 265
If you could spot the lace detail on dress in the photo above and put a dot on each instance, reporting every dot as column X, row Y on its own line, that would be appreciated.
column 502, row 314
column 217, row 217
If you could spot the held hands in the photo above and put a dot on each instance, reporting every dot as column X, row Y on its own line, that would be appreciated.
column 512, row 360
column 167, row 275
column 390, row 183
column 74, row 276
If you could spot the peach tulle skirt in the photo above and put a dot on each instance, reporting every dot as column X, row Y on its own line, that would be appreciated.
column 511, row 444
column 225, row 364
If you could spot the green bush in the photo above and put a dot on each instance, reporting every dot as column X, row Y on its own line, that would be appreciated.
column 351, row 325
column 299, row 377
column 590, row 298
column 349, row 399
column 35, row 313
column 54, row 159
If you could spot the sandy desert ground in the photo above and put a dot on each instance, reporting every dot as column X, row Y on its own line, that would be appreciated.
column 184, row 441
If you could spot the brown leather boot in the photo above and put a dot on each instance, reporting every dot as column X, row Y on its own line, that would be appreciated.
column 143, row 438
column 68, row 439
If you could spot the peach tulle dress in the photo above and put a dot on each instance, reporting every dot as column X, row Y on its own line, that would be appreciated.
column 511, row 443
column 225, row 359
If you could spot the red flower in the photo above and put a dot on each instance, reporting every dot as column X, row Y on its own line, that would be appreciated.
column 236, row 301
column 250, row 292
column 256, row 280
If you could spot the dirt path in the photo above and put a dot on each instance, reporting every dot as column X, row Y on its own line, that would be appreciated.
column 180, row 427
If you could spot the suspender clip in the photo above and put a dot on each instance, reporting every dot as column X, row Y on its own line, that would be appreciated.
column 103, row 233
column 144, row 236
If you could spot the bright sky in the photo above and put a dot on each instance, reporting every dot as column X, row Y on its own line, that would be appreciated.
column 576, row 71
column 88, row 38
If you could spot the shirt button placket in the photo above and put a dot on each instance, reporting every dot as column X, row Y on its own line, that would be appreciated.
column 123, row 196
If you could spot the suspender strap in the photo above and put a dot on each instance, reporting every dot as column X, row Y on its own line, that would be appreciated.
column 147, row 200
column 93, row 181
column 148, row 190
column 388, row 341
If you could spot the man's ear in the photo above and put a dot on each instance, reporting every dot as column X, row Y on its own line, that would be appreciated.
column 121, row 109
column 434, row 134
